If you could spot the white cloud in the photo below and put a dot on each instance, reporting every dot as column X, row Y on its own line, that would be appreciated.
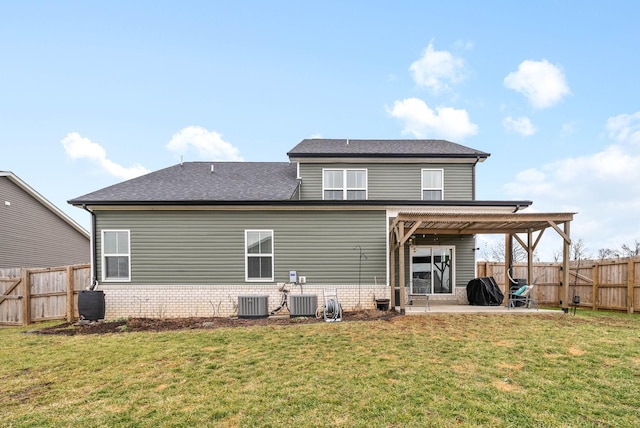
column 603, row 188
column 78, row 147
column 423, row 122
column 543, row 84
column 435, row 70
column 208, row 144
column 625, row 128
column 463, row 44
column 568, row 129
column 521, row 125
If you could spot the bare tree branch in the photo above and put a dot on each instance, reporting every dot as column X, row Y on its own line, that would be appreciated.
column 497, row 253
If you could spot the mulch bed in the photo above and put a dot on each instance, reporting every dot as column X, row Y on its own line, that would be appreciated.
column 172, row 324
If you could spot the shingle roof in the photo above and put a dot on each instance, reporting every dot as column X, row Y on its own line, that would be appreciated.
column 194, row 181
column 383, row 148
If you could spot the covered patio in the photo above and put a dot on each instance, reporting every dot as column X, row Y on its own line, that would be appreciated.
column 512, row 225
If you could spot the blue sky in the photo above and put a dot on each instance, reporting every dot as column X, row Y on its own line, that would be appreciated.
column 92, row 93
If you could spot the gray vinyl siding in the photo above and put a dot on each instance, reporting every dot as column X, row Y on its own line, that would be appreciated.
column 464, row 257
column 207, row 247
column 393, row 181
column 31, row 235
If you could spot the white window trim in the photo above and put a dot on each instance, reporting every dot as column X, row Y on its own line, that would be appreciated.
column 104, row 257
column 246, row 255
column 422, row 188
column 345, row 188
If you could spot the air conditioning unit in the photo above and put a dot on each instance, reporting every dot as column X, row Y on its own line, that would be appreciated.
column 253, row 306
column 303, row 305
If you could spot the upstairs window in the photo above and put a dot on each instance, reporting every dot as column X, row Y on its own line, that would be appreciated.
column 259, row 255
column 432, row 184
column 344, row 184
column 116, row 256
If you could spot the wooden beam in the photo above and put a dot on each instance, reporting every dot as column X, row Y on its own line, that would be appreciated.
column 535, row 244
column 489, row 217
column 396, row 232
column 565, row 267
column 401, row 272
column 411, row 231
column 507, row 257
column 394, row 223
column 562, row 233
column 392, row 275
column 471, row 231
column 521, row 242
column 529, row 258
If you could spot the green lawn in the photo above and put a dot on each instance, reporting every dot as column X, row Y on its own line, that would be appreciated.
column 438, row 370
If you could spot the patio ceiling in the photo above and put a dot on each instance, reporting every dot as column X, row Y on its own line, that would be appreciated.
column 463, row 223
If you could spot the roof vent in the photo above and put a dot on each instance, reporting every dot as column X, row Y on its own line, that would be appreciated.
column 212, row 168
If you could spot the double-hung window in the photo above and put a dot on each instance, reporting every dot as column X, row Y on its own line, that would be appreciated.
column 259, row 255
column 432, row 184
column 341, row 184
column 116, row 255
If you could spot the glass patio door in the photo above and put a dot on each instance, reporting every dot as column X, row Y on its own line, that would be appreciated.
column 431, row 270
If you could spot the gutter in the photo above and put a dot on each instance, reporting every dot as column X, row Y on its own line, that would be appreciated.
column 306, row 203
column 94, row 276
column 294, row 156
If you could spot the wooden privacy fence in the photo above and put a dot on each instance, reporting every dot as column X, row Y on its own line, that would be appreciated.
column 601, row 284
column 31, row 295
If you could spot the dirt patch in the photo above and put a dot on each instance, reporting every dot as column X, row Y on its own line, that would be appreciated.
column 172, row 324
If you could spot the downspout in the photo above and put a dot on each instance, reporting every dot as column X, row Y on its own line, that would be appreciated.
column 473, row 179
column 94, row 277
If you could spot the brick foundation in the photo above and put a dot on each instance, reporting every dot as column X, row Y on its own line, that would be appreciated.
column 180, row 301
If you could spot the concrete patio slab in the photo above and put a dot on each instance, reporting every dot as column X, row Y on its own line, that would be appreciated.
column 435, row 308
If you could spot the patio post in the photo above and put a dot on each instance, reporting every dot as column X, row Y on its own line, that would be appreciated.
column 401, row 272
column 392, row 272
column 565, row 267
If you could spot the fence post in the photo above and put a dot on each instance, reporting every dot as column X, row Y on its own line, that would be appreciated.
column 596, row 284
column 630, row 278
column 26, row 297
column 70, row 288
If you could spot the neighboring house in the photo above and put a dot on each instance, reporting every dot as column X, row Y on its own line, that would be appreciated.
column 33, row 232
column 344, row 215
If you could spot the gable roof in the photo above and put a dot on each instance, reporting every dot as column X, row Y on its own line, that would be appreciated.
column 44, row 201
column 204, row 181
column 384, row 148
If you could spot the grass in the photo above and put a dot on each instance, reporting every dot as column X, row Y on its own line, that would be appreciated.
column 437, row 370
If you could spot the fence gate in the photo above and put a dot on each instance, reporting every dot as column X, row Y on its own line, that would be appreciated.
column 10, row 301
column 31, row 295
